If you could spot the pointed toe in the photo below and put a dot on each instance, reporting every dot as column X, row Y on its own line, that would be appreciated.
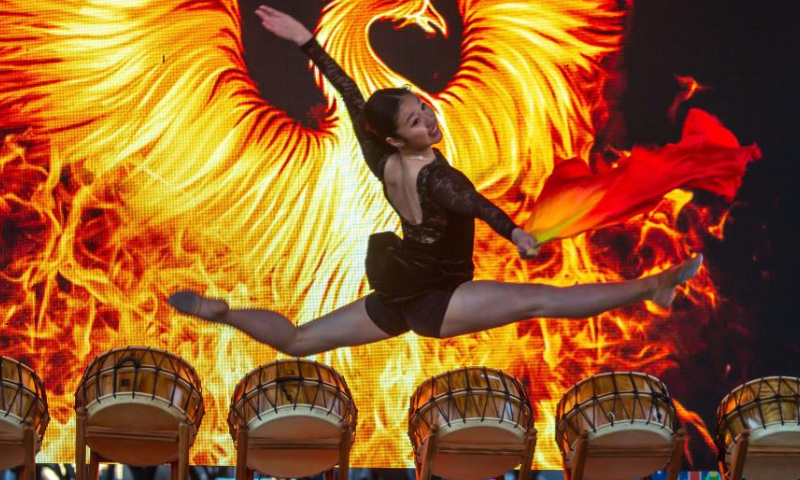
column 185, row 301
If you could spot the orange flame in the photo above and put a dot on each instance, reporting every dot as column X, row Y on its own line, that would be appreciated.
column 153, row 164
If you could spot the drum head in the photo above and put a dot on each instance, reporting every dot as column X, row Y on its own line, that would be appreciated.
column 136, row 416
column 296, row 427
column 639, row 436
column 479, row 436
column 772, row 468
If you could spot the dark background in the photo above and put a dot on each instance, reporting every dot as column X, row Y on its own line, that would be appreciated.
column 747, row 53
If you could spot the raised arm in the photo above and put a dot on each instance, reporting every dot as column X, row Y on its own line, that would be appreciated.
column 451, row 189
column 287, row 28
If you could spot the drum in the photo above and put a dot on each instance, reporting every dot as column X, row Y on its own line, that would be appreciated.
column 292, row 402
column 770, row 409
column 139, row 392
column 473, row 407
column 624, row 410
column 22, row 399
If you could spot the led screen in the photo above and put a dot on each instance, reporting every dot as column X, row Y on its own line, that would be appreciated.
column 156, row 145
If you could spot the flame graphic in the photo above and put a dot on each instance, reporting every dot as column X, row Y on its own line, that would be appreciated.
column 139, row 158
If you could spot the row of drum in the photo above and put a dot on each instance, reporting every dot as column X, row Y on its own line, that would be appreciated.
column 296, row 417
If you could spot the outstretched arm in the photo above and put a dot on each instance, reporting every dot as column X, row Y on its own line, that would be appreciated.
column 451, row 189
column 286, row 27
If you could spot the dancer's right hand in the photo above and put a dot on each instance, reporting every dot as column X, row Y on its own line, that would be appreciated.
column 283, row 26
column 527, row 245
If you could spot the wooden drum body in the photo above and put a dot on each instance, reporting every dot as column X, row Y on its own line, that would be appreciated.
column 23, row 404
column 293, row 412
column 135, row 399
column 622, row 411
column 474, row 408
column 769, row 409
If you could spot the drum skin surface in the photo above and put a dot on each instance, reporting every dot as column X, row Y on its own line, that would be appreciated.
column 292, row 402
column 618, row 410
column 474, row 408
column 769, row 408
column 22, row 398
column 140, row 391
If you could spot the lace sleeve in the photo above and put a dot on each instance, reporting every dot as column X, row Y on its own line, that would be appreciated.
column 347, row 88
column 452, row 189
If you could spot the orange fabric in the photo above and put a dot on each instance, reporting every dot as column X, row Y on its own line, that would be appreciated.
column 574, row 200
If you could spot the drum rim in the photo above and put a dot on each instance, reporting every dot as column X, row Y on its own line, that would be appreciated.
column 625, row 423
column 40, row 400
column 236, row 421
column 561, row 433
column 623, row 426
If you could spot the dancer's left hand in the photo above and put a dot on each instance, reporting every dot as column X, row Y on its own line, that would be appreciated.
column 527, row 245
column 283, row 25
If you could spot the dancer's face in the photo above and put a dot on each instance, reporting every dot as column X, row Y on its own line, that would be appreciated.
column 417, row 127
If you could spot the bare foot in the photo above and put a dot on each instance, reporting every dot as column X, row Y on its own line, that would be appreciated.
column 668, row 280
column 191, row 303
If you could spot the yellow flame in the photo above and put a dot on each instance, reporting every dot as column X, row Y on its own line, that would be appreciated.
column 184, row 177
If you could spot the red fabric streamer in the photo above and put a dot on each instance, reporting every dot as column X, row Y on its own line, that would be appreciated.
column 575, row 200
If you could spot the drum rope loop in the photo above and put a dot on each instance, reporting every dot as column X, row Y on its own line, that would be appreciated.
column 122, row 361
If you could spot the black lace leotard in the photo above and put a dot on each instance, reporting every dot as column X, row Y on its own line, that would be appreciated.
column 415, row 277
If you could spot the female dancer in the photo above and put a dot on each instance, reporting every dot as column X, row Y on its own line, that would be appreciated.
column 423, row 282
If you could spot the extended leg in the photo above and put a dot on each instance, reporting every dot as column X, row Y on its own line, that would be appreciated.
column 482, row 305
column 345, row 327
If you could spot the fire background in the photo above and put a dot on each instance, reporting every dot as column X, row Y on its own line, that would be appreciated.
column 743, row 51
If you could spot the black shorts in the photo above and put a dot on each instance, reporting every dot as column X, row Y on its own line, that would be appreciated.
column 422, row 314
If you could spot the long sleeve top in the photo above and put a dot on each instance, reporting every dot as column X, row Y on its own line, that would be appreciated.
column 448, row 200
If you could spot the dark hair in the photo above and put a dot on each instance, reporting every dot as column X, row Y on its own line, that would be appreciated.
column 379, row 117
